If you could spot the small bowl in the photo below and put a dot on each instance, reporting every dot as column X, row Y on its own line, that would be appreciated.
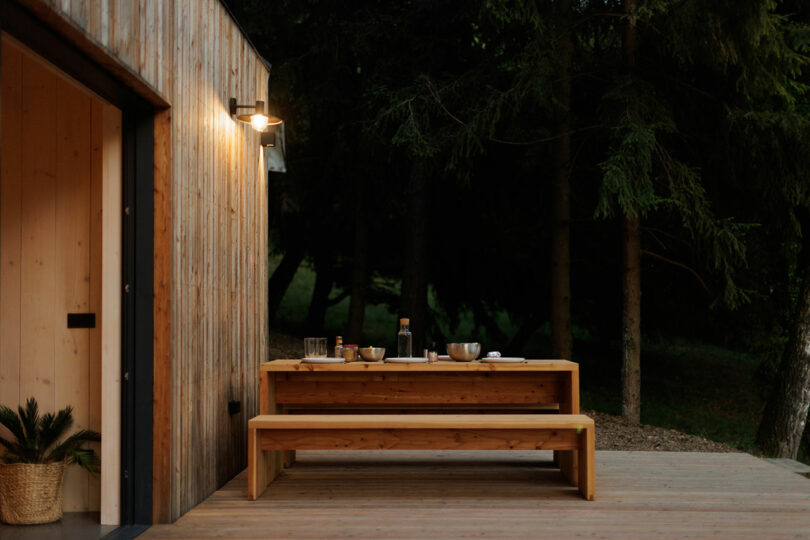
column 463, row 352
column 372, row 354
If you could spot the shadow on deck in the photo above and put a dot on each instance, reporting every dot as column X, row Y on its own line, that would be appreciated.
column 373, row 494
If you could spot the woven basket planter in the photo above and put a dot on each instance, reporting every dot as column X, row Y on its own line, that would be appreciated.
column 31, row 492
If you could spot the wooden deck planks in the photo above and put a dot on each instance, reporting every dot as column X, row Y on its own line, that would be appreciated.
column 507, row 495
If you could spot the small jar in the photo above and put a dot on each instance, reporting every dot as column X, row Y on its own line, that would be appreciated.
column 350, row 353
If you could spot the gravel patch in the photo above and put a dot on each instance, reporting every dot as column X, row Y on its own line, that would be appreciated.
column 285, row 346
column 612, row 432
column 615, row 433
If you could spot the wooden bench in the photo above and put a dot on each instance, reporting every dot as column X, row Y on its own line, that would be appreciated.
column 269, row 435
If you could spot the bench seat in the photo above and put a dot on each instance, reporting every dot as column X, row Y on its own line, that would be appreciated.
column 268, row 435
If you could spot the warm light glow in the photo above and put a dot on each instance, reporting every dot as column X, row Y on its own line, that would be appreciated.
column 259, row 121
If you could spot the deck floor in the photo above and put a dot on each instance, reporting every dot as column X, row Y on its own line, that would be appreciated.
column 373, row 494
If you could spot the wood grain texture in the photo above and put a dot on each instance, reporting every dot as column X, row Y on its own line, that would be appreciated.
column 11, row 170
column 162, row 317
column 111, row 267
column 421, row 388
column 102, row 31
column 421, row 432
column 417, row 439
column 51, row 251
column 219, row 265
column 316, row 422
column 514, row 494
column 38, row 217
column 296, row 365
column 211, row 183
column 94, row 372
column 71, row 270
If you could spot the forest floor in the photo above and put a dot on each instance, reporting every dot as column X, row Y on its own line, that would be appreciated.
column 612, row 432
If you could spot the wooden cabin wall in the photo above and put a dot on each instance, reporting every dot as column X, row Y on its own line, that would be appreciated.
column 192, row 55
column 137, row 33
column 219, row 205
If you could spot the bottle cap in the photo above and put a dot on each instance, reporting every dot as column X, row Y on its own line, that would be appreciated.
column 404, row 321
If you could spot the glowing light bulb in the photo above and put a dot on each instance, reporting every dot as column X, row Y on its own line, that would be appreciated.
column 259, row 121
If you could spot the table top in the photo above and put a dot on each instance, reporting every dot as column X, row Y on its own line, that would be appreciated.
column 292, row 365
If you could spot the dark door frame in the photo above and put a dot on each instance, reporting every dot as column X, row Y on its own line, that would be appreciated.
column 137, row 251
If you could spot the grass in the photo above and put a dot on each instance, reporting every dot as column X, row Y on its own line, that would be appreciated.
column 693, row 387
column 380, row 323
column 696, row 388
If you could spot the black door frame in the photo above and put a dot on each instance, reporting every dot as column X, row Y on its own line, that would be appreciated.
column 137, row 250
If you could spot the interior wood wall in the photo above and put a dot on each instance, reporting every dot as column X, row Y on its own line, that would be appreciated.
column 192, row 53
column 50, row 248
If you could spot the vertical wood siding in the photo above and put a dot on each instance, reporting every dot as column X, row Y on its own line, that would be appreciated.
column 135, row 32
column 192, row 52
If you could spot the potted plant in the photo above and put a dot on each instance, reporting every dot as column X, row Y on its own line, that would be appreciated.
column 32, row 468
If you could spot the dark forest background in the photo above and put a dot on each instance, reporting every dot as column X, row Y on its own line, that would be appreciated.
column 493, row 168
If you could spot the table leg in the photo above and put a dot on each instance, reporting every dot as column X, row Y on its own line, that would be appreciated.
column 270, row 461
column 587, row 476
column 568, row 460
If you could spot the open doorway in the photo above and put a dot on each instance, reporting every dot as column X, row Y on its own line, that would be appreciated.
column 61, row 251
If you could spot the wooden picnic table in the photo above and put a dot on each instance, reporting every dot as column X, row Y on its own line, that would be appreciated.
column 291, row 386
column 287, row 385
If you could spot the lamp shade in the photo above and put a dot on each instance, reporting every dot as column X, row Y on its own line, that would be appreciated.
column 259, row 118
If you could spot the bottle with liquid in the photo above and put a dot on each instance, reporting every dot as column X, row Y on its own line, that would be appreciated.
column 404, row 340
column 339, row 347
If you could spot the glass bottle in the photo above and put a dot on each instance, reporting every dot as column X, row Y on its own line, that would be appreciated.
column 404, row 340
column 339, row 347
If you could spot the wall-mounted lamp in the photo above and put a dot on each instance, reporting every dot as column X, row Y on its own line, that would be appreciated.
column 259, row 119
column 268, row 137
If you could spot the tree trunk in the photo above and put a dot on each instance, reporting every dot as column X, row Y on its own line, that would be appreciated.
column 414, row 275
column 316, row 315
column 280, row 280
column 357, row 304
column 631, row 274
column 785, row 415
column 631, row 322
column 561, row 341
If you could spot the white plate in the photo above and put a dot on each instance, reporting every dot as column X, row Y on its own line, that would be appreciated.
column 502, row 360
column 407, row 360
column 323, row 360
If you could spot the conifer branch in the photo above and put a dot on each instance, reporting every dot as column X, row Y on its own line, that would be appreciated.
column 679, row 265
column 503, row 141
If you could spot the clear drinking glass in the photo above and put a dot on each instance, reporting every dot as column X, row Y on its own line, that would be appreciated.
column 315, row 347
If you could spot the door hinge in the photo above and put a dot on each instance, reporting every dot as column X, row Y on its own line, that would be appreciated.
column 126, row 375
column 126, row 474
column 126, row 210
column 126, row 288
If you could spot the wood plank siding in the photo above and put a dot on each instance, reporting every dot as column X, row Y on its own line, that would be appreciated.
column 210, row 321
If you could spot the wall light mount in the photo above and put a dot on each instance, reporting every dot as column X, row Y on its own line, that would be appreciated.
column 258, row 117
column 268, row 139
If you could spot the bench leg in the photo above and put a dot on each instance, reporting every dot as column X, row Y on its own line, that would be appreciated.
column 263, row 465
column 568, row 462
column 289, row 458
column 587, row 476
